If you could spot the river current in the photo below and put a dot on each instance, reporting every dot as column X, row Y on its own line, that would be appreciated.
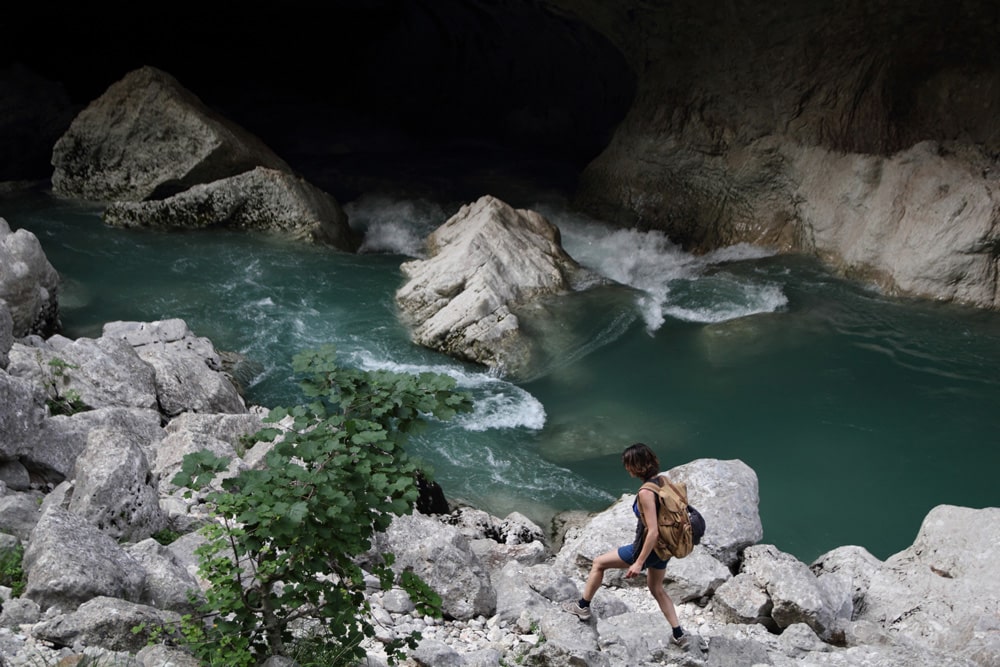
column 858, row 412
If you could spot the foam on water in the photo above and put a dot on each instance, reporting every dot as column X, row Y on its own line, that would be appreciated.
column 673, row 282
column 488, row 469
column 497, row 404
column 731, row 300
column 394, row 226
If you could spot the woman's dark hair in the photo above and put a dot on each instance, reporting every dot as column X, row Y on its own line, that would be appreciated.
column 641, row 461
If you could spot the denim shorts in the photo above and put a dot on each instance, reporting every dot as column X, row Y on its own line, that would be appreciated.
column 653, row 562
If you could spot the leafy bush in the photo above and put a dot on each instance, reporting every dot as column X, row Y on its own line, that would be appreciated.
column 11, row 572
column 285, row 544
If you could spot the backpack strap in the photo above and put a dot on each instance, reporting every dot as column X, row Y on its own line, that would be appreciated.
column 682, row 496
column 649, row 486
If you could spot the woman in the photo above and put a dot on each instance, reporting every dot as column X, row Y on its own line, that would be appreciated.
column 642, row 463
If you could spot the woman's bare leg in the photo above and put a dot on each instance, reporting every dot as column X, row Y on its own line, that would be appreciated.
column 654, row 580
column 606, row 561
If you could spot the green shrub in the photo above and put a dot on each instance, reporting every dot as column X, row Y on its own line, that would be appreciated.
column 285, row 544
column 11, row 572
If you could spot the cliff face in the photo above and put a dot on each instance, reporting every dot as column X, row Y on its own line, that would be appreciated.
column 863, row 132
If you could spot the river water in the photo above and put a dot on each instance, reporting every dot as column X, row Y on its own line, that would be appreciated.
column 859, row 413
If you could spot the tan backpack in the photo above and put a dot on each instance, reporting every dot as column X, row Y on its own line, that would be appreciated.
column 676, row 539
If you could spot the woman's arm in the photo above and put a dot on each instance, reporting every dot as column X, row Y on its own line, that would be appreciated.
column 647, row 505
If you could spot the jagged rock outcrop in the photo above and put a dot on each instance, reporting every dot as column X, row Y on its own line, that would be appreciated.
column 113, row 623
column 21, row 415
column 69, row 561
column 484, row 264
column 442, row 557
column 189, row 372
column 103, row 372
column 866, row 138
column 261, row 199
column 148, row 137
column 134, row 376
column 113, row 487
column 28, row 283
column 50, row 448
column 948, row 573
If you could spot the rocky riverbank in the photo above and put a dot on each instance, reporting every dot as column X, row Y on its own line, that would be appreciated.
column 93, row 430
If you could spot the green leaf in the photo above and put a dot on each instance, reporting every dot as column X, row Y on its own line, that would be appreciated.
column 328, row 484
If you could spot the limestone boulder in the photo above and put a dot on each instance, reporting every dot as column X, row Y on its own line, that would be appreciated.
column 795, row 594
column 170, row 453
column 114, row 624
column 514, row 529
column 28, row 283
column 147, row 137
column 14, row 476
column 443, row 558
column 530, row 590
column 189, row 372
column 853, row 565
column 942, row 591
column 168, row 583
column 584, row 541
column 22, row 412
column 19, row 513
column 261, row 199
column 225, row 435
column 485, row 264
column 742, row 600
column 626, row 639
column 69, row 561
column 695, row 577
column 103, row 372
column 113, row 487
column 50, row 453
column 724, row 491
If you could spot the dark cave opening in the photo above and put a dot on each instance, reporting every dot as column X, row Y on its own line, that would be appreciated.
column 452, row 97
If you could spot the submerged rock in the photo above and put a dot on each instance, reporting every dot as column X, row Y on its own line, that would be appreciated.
column 262, row 199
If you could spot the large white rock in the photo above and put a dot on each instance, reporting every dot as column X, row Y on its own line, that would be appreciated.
column 484, row 263
column 923, row 222
column 942, row 592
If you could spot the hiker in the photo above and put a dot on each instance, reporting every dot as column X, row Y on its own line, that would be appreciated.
column 642, row 463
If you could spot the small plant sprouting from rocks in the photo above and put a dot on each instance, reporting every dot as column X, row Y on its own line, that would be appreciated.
column 166, row 536
column 60, row 401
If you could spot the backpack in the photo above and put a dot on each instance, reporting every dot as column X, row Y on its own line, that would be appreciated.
column 680, row 526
